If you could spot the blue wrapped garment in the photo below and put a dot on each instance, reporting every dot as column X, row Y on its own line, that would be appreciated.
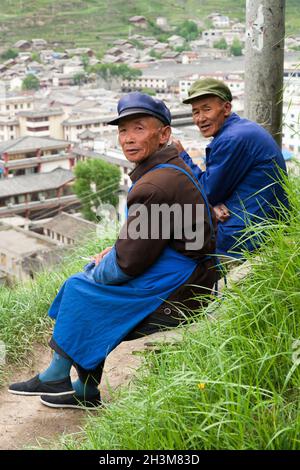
column 92, row 318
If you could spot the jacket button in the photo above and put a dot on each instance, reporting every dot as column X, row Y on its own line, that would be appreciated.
column 167, row 311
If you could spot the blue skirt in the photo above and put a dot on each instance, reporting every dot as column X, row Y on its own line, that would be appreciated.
column 92, row 318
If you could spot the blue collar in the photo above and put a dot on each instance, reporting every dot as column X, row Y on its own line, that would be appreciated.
column 231, row 119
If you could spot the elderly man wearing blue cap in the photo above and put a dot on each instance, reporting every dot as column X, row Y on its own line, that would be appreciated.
column 243, row 162
column 142, row 283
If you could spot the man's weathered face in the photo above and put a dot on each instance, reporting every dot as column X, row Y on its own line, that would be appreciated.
column 209, row 114
column 140, row 136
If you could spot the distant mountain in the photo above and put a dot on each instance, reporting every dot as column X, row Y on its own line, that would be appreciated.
column 96, row 23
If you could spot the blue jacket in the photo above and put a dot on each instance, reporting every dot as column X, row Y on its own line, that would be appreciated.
column 243, row 165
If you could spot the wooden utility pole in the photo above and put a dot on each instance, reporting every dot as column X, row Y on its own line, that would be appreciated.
column 265, row 29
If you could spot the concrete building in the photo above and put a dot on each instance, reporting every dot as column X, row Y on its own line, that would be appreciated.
column 67, row 229
column 235, row 81
column 9, row 128
column 158, row 84
column 27, row 155
column 139, row 21
column 76, row 124
column 220, row 21
column 35, row 194
column 291, row 121
column 44, row 123
column 13, row 104
column 23, row 253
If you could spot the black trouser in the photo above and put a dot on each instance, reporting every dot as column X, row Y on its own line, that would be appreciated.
column 152, row 324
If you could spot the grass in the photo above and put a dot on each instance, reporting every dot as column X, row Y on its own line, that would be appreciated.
column 95, row 23
column 232, row 383
column 23, row 319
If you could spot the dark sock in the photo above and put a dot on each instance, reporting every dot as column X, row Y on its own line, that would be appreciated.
column 84, row 389
column 59, row 369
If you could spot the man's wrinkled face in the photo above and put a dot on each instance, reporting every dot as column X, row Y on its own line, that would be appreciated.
column 141, row 135
column 209, row 114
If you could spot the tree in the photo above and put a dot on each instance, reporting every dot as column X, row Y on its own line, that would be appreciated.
column 9, row 54
column 85, row 61
column 221, row 44
column 79, row 78
column 35, row 56
column 31, row 82
column 148, row 91
column 188, row 30
column 96, row 182
column 236, row 47
column 155, row 54
column 106, row 71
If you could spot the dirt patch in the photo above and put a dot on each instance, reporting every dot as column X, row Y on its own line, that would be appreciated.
column 26, row 422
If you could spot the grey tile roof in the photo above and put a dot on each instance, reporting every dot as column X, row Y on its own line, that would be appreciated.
column 42, row 113
column 35, row 182
column 27, row 143
column 70, row 226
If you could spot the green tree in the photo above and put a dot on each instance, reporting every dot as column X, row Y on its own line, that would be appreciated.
column 148, row 91
column 9, row 54
column 79, row 78
column 96, row 182
column 85, row 61
column 236, row 47
column 155, row 54
column 221, row 44
column 188, row 30
column 35, row 56
column 106, row 71
column 30, row 82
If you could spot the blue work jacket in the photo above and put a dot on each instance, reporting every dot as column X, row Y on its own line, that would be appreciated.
column 243, row 171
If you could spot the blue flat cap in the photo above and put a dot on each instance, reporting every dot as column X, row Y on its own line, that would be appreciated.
column 140, row 103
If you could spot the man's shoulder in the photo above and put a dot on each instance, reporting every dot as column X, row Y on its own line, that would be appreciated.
column 164, row 180
column 241, row 129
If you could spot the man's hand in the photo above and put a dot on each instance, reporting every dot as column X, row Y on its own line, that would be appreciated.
column 100, row 256
column 221, row 212
column 178, row 145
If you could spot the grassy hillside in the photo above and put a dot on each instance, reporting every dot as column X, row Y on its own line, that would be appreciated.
column 96, row 22
column 232, row 383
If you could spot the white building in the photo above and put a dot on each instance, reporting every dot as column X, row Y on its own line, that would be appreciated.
column 158, row 84
column 76, row 124
column 291, row 116
column 220, row 21
column 22, row 252
column 13, row 104
column 9, row 128
column 235, row 81
column 210, row 36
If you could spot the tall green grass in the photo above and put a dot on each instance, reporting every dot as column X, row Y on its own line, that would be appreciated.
column 234, row 381
column 23, row 309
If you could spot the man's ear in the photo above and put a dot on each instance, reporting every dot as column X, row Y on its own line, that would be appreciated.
column 165, row 135
column 227, row 108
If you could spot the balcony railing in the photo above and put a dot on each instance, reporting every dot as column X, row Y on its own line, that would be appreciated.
column 34, row 161
column 34, row 205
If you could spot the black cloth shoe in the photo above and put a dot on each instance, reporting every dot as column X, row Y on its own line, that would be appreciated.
column 72, row 401
column 35, row 386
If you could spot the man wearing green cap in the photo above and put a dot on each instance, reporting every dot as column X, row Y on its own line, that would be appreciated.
column 244, row 165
